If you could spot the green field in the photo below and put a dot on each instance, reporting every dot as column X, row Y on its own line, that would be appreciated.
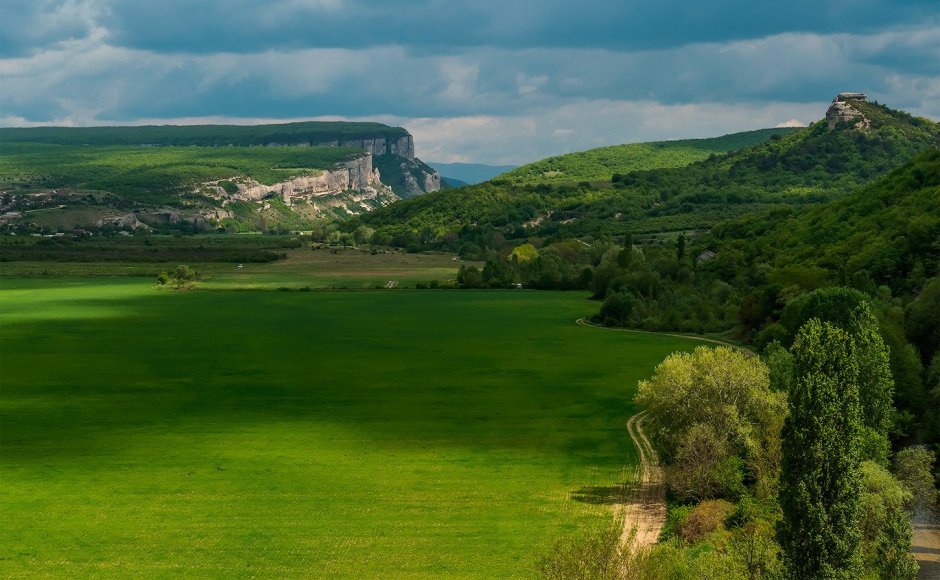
column 319, row 268
column 298, row 434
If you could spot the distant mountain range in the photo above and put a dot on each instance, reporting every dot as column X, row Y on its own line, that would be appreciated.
column 469, row 173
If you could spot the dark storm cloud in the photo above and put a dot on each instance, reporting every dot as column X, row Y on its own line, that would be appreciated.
column 554, row 74
column 209, row 26
column 30, row 25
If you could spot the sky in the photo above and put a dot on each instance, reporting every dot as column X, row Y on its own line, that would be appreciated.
column 487, row 81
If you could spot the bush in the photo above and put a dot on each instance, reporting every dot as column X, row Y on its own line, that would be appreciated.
column 705, row 518
column 597, row 556
column 914, row 469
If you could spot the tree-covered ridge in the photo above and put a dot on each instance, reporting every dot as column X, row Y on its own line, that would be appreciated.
column 805, row 166
column 204, row 135
column 603, row 162
column 887, row 233
column 155, row 174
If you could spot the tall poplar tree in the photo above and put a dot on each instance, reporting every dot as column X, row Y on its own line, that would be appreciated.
column 820, row 482
column 850, row 311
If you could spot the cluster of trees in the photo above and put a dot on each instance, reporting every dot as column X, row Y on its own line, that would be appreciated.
column 146, row 248
column 783, row 465
column 182, row 278
column 565, row 265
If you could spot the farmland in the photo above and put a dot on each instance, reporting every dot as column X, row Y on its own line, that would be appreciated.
column 231, row 433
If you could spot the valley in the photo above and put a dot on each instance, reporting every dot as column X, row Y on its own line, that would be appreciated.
column 286, row 350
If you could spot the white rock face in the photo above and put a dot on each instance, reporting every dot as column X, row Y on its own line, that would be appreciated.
column 432, row 182
column 842, row 111
column 354, row 175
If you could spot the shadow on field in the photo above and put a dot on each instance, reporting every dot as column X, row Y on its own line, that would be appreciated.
column 599, row 495
column 407, row 369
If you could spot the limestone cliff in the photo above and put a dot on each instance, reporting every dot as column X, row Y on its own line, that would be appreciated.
column 354, row 175
column 407, row 175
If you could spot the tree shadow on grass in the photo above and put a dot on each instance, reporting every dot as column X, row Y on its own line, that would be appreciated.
column 396, row 367
column 600, row 495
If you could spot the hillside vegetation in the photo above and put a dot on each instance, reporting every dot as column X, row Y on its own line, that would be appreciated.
column 157, row 175
column 887, row 232
column 806, row 166
column 603, row 162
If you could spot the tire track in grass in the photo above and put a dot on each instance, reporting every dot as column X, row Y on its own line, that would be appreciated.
column 644, row 506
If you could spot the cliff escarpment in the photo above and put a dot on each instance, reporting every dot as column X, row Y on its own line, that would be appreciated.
column 354, row 185
column 407, row 175
column 392, row 147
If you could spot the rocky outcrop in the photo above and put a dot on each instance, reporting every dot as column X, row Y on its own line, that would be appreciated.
column 406, row 174
column 354, row 175
column 408, row 177
column 841, row 111
column 417, row 181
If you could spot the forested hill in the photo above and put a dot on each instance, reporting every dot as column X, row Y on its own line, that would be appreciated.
column 204, row 135
column 811, row 165
column 887, row 233
column 603, row 162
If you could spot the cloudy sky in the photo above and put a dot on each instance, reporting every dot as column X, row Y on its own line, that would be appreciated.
column 489, row 81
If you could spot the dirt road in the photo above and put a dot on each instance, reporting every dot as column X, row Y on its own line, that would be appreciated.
column 644, row 510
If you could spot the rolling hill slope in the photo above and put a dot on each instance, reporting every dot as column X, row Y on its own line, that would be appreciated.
column 806, row 166
column 604, row 162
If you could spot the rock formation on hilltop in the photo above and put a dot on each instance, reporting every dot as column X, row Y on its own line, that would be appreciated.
column 842, row 111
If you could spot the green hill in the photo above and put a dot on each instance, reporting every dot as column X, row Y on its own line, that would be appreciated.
column 157, row 175
column 882, row 239
column 603, row 162
column 887, row 233
column 85, row 177
column 805, row 166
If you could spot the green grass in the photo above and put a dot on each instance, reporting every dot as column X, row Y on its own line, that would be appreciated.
column 294, row 434
column 302, row 268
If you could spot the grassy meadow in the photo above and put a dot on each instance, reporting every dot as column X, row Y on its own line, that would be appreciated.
column 298, row 434
column 301, row 267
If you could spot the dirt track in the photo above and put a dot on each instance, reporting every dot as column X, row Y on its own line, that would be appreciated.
column 644, row 509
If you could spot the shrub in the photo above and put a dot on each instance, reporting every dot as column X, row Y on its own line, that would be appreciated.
column 704, row 519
